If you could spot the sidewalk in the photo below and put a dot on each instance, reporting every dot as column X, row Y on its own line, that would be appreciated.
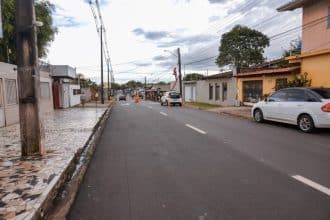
column 242, row 111
column 25, row 184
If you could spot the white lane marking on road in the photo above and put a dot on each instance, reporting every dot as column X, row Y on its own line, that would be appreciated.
column 150, row 107
column 196, row 129
column 312, row 184
column 163, row 113
column 127, row 104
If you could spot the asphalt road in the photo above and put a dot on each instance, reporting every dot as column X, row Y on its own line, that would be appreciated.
column 157, row 163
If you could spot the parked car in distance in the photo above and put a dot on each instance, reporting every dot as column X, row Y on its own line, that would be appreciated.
column 171, row 98
column 122, row 97
column 308, row 108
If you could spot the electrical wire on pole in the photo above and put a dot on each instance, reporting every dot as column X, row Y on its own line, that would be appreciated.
column 102, row 31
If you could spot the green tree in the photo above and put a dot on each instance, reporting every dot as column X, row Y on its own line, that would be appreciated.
column 45, row 34
column 87, row 83
column 242, row 47
column 192, row 76
column 162, row 83
column 294, row 50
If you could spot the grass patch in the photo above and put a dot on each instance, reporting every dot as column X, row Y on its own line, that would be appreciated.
column 202, row 105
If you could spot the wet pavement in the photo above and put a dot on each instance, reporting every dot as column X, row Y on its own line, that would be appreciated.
column 24, row 184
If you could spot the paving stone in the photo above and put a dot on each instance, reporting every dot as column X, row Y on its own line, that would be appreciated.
column 9, row 215
column 22, row 183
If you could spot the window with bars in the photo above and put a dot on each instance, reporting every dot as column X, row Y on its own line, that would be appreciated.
column 11, row 91
column 217, row 91
column 210, row 91
column 280, row 83
column 224, row 91
column 44, row 90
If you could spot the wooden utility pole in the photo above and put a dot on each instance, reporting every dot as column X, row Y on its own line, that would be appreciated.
column 180, row 77
column 32, row 134
column 102, row 89
column 108, row 62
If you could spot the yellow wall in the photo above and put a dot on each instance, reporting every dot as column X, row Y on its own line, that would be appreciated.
column 318, row 69
column 268, row 84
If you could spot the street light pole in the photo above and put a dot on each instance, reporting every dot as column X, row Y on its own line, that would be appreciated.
column 32, row 134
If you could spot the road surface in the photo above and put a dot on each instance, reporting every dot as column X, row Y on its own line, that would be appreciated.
column 172, row 163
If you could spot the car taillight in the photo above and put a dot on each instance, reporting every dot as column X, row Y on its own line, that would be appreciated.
column 326, row 107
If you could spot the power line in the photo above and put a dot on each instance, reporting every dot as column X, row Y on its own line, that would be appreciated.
column 101, row 27
column 304, row 26
column 198, row 61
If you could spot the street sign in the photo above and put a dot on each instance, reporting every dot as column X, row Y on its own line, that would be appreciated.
column 0, row 22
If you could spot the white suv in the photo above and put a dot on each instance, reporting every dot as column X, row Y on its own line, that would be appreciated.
column 308, row 108
column 171, row 98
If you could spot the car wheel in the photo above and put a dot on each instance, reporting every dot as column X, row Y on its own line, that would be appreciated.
column 306, row 123
column 180, row 104
column 258, row 116
column 161, row 103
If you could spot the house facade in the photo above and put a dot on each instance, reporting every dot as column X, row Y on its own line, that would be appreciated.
column 65, row 87
column 9, row 108
column 254, row 83
column 218, row 89
column 315, row 54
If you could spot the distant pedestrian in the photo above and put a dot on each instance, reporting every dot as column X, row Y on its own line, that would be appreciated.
column 137, row 99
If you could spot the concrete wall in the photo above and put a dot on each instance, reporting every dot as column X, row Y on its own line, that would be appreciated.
column 318, row 69
column 316, row 35
column 268, row 85
column 86, row 94
column 74, row 99
column 202, row 91
column 46, row 102
column 10, row 112
column 63, row 71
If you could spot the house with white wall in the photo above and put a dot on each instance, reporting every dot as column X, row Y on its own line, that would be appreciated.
column 66, row 90
column 218, row 89
column 9, row 107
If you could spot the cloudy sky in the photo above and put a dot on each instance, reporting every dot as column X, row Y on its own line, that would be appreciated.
column 139, row 32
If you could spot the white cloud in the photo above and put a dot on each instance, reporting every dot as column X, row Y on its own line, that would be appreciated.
column 178, row 21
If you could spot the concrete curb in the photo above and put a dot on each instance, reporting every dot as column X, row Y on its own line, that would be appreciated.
column 236, row 115
column 61, row 197
column 224, row 113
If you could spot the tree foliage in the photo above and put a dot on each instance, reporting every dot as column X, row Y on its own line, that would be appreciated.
column 45, row 34
column 87, row 83
column 192, row 76
column 134, row 84
column 242, row 47
column 294, row 50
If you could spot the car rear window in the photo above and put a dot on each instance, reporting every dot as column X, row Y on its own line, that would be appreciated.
column 174, row 95
column 324, row 93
